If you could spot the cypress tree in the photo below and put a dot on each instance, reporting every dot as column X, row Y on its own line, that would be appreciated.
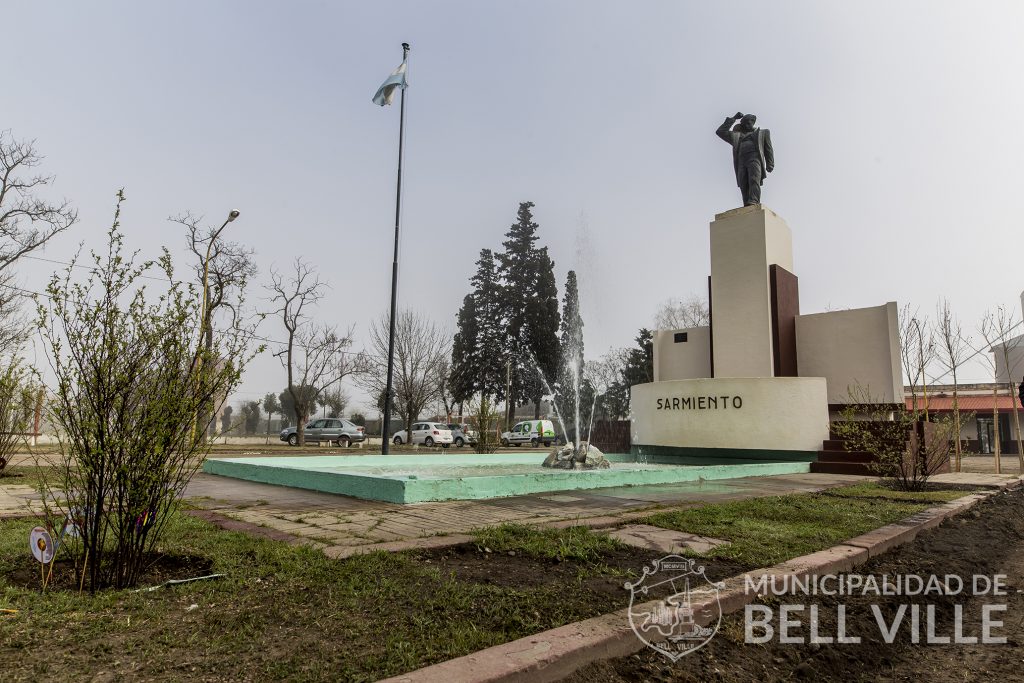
column 530, row 310
column 462, row 378
column 490, row 353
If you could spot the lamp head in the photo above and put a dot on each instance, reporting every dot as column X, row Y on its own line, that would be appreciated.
column 232, row 216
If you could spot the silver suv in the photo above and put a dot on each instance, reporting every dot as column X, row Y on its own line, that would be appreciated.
column 329, row 429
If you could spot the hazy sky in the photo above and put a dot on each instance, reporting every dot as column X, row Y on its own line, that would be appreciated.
column 891, row 170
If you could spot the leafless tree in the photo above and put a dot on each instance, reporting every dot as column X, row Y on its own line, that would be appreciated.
column 228, row 271
column 678, row 314
column 605, row 374
column 27, row 223
column 13, row 327
column 334, row 400
column 230, row 267
column 422, row 350
column 953, row 351
column 449, row 406
column 917, row 351
column 997, row 328
column 315, row 356
column 17, row 403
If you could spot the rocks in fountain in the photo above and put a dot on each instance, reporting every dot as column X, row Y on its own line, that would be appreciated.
column 561, row 458
column 568, row 457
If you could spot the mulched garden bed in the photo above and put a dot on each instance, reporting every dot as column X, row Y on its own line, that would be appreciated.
column 159, row 568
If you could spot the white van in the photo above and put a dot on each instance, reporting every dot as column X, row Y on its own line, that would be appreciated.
column 534, row 432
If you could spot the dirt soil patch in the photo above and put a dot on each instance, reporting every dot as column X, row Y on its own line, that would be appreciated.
column 598, row 582
column 986, row 540
column 159, row 568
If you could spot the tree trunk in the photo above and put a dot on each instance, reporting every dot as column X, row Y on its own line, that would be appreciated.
column 1016, row 423
column 956, row 421
column 208, row 413
column 995, row 428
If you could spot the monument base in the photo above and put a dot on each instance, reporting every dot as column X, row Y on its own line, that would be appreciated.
column 730, row 420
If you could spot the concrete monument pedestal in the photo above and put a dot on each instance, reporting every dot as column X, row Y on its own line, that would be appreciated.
column 736, row 419
column 735, row 391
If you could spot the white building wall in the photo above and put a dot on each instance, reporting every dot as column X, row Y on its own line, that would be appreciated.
column 677, row 359
column 1009, row 360
column 859, row 346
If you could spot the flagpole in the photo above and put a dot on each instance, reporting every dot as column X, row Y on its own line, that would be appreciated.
column 385, row 427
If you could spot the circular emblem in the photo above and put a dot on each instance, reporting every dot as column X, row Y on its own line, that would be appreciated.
column 686, row 618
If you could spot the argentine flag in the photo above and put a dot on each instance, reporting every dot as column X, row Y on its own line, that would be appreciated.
column 386, row 92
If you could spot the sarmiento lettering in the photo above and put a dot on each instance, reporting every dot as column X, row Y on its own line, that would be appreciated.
column 700, row 403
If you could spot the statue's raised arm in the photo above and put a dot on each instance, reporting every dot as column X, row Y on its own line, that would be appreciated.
column 725, row 130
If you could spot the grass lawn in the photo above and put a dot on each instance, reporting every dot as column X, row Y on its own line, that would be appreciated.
column 282, row 612
column 289, row 613
column 25, row 475
column 765, row 531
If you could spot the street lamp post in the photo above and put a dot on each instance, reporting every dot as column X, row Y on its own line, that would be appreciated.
column 206, row 271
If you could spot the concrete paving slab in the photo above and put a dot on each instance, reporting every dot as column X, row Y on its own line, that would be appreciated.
column 984, row 479
column 664, row 541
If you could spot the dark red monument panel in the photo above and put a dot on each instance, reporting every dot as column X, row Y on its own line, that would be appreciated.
column 785, row 293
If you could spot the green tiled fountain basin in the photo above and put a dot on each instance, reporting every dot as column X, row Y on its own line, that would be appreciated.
column 420, row 478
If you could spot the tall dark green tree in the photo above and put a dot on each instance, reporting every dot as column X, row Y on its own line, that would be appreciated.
column 640, row 360
column 463, row 380
column 638, row 368
column 492, row 335
column 479, row 348
column 306, row 393
column 542, row 323
column 530, row 307
column 271, row 406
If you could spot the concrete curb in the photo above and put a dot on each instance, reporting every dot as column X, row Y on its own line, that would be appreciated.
column 554, row 654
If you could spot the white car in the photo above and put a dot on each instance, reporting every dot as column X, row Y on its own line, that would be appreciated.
column 426, row 433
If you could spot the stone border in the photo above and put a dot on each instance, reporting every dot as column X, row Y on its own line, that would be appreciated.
column 554, row 654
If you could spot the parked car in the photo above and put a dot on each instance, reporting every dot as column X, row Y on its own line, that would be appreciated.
column 426, row 433
column 533, row 432
column 330, row 429
column 462, row 434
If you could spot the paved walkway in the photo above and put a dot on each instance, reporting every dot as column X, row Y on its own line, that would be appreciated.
column 337, row 523
column 341, row 525
column 18, row 500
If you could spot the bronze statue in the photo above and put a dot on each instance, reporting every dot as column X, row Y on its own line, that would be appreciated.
column 752, row 154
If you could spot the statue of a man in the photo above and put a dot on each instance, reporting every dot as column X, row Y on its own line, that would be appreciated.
column 752, row 154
